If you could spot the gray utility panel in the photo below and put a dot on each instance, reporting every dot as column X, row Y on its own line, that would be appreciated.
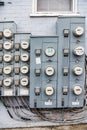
column 57, row 66
column 14, row 61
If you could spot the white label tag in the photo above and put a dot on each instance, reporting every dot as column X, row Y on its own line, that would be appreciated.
column 8, row 92
column 38, row 60
column 48, row 103
column 75, row 103
column 24, row 91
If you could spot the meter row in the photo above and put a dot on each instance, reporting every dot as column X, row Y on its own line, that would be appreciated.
column 24, row 69
column 50, row 51
column 49, row 90
column 7, row 45
column 50, row 71
column 8, row 81
column 8, row 57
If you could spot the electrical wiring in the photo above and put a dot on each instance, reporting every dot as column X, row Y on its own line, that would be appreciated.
column 26, row 104
column 8, row 109
column 58, row 121
column 22, row 110
column 16, row 112
column 74, row 115
column 19, row 114
column 74, row 120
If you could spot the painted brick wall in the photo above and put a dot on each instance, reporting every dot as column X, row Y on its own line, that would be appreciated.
column 20, row 10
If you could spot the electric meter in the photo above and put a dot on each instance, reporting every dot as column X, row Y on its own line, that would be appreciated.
column 50, row 51
column 49, row 71
column 49, row 90
column 7, row 45
column 78, row 70
column 7, row 69
column 79, row 51
column 7, row 33
column 7, row 82
column 78, row 31
column 24, row 69
column 24, row 57
column 77, row 90
column 7, row 57
column 24, row 45
column 24, row 81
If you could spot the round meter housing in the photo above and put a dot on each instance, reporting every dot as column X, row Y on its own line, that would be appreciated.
column 24, row 69
column 7, row 45
column 7, row 82
column 24, row 57
column 78, row 70
column 7, row 33
column 24, row 45
column 78, row 31
column 78, row 51
column 49, row 90
column 50, row 51
column 77, row 90
column 7, row 69
column 7, row 57
column 49, row 71
column 24, row 81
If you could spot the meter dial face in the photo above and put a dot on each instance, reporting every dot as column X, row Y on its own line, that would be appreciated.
column 24, row 57
column 7, row 33
column 49, row 71
column 24, row 45
column 7, row 82
column 77, row 90
column 78, row 70
column 78, row 31
column 50, row 51
column 7, row 57
column 49, row 90
column 7, row 45
column 24, row 81
column 79, row 51
column 24, row 69
column 7, row 69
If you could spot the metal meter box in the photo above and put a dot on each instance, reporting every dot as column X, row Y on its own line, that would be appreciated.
column 43, row 72
column 57, row 66
column 22, row 63
column 14, row 61
column 71, row 56
column 7, row 31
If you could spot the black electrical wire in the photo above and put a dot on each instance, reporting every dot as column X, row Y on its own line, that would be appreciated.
column 59, row 121
column 17, row 113
column 14, row 110
column 26, row 104
column 6, row 108
column 9, row 103
column 22, row 110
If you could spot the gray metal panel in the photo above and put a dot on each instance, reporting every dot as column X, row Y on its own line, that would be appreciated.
column 62, row 23
column 42, row 100
column 20, row 37
column 71, row 61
